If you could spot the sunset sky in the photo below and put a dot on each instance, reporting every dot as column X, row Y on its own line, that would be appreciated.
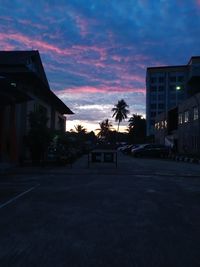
column 95, row 52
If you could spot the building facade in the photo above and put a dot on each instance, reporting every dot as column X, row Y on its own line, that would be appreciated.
column 24, row 88
column 189, row 126
column 167, row 87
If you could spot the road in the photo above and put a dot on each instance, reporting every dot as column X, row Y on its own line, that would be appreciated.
column 146, row 212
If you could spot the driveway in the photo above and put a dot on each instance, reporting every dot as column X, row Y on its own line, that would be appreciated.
column 146, row 212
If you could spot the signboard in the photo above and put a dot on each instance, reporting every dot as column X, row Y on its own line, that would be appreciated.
column 96, row 157
column 102, row 156
column 108, row 157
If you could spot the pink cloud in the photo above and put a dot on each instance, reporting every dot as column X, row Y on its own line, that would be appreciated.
column 36, row 44
column 100, row 89
column 198, row 2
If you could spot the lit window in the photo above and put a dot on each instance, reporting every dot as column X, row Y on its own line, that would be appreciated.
column 180, row 118
column 186, row 116
column 195, row 113
column 165, row 123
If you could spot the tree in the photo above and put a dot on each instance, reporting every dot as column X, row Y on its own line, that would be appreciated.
column 137, row 129
column 105, row 128
column 38, row 137
column 120, row 112
column 80, row 129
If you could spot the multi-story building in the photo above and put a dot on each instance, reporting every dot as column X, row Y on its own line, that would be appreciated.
column 166, row 87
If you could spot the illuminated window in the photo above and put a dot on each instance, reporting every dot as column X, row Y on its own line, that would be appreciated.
column 195, row 113
column 186, row 116
column 165, row 123
column 180, row 118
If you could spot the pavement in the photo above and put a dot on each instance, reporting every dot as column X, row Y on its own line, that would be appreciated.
column 143, row 213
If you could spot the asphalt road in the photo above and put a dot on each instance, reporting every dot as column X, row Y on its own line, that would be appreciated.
column 145, row 213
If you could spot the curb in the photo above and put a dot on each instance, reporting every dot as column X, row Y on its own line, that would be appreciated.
column 185, row 159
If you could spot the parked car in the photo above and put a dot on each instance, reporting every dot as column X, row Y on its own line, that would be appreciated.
column 127, row 149
column 150, row 150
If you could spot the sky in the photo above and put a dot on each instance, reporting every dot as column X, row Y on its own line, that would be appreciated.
column 95, row 52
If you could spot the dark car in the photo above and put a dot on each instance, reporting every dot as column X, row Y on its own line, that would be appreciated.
column 151, row 150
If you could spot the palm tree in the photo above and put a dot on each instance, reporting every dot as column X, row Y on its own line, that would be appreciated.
column 80, row 129
column 137, row 129
column 120, row 112
column 105, row 128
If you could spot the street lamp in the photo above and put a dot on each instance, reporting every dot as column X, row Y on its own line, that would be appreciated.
column 178, row 87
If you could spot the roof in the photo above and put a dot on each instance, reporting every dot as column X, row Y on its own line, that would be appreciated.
column 167, row 67
column 193, row 58
column 27, row 61
column 59, row 104
column 29, row 64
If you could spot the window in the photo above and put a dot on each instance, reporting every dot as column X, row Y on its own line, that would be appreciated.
column 153, row 106
column 153, row 97
column 180, row 118
column 161, row 97
column 153, row 79
column 180, row 78
column 153, row 113
column 186, row 116
column 160, row 88
column 161, row 79
column 172, row 79
column 152, row 122
column 195, row 113
column 153, row 88
column 161, row 106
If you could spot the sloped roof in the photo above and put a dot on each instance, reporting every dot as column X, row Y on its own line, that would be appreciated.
column 29, row 63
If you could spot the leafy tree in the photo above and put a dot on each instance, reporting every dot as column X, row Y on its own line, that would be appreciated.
column 80, row 129
column 120, row 112
column 137, row 129
column 105, row 128
column 38, row 137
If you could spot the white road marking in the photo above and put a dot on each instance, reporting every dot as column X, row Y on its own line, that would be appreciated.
column 18, row 196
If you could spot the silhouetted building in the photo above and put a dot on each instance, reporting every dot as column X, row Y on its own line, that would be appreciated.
column 23, row 88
